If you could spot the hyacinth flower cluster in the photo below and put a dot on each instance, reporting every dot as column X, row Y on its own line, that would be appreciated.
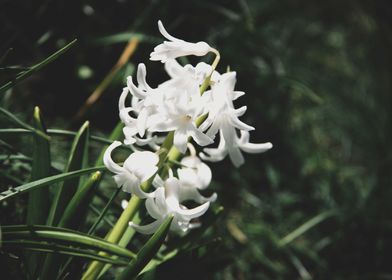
column 196, row 105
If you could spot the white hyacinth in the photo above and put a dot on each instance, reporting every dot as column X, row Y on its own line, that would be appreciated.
column 177, row 106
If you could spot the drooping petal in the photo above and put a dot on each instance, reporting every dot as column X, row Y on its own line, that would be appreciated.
column 199, row 137
column 108, row 161
column 236, row 156
column 135, row 91
column 147, row 229
column 180, row 139
column 194, row 212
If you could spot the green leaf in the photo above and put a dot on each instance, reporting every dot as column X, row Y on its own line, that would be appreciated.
column 75, row 161
column 64, row 195
column 147, row 253
column 46, row 182
column 41, row 168
column 305, row 227
column 61, row 249
column 17, row 121
column 63, row 236
column 61, row 132
column 123, row 38
column 73, row 214
column 104, row 211
column 23, row 75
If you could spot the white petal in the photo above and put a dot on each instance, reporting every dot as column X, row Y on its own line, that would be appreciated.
column 165, row 33
column 253, row 148
column 194, row 212
column 189, row 193
column 135, row 91
column 123, row 96
column 199, row 137
column 107, row 158
column 180, row 139
column 142, row 164
column 142, row 122
column 236, row 156
column 153, row 209
column 141, row 77
column 147, row 229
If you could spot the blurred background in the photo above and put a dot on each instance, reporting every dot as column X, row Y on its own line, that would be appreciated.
column 318, row 80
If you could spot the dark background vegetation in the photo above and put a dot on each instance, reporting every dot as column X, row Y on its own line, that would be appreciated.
column 318, row 80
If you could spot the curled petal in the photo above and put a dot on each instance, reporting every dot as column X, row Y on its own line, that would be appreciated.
column 108, row 161
column 194, row 212
column 141, row 77
column 147, row 229
column 138, row 93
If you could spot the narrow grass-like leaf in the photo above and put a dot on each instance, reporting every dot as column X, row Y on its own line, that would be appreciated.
column 38, row 202
column 46, row 182
column 103, row 213
column 67, row 237
column 61, row 249
column 305, row 227
column 147, row 253
column 23, row 75
column 72, row 216
column 17, row 121
column 40, row 169
column 75, row 161
column 123, row 38
column 61, row 132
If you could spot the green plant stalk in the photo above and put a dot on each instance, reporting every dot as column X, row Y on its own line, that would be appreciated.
column 167, row 151
column 147, row 252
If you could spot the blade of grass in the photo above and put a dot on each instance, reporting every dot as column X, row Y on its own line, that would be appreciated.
column 66, row 192
column 61, row 249
column 103, row 213
column 147, row 253
column 305, row 227
column 60, row 132
column 46, row 182
column 68, row 189
column 36, row 67
column 72, row 214
column 41, row 168
column 17, row 121
column 68, row 237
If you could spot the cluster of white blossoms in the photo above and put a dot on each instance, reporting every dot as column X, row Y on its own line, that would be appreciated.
column 178, row 105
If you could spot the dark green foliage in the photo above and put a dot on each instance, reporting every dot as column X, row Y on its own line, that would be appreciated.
column 318, row 81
